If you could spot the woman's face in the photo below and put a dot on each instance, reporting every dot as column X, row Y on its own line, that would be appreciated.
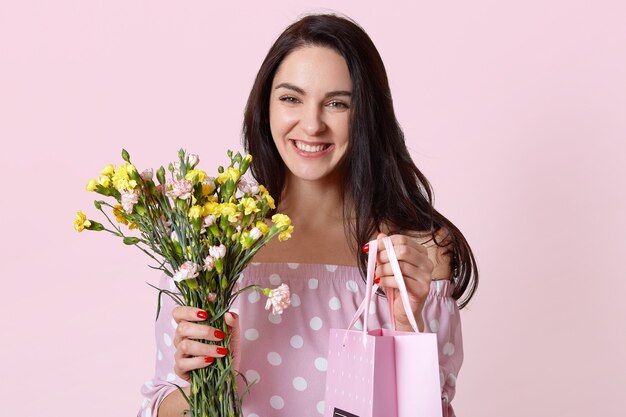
column 310, row 111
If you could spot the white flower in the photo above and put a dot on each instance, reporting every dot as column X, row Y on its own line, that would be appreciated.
column 129, row 199
column 146, row 175
column 278, row 299
column 174, row 236
column 255, row 233
column 209, row 182
column 193, row 160
column 217, row 252
column 248, row 186
column 188, row 270
column 209, row 221
column 209, row 263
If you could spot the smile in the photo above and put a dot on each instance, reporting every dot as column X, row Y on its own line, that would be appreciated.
column 311, row 150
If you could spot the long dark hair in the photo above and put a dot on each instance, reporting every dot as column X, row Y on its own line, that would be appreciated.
column 376, row 157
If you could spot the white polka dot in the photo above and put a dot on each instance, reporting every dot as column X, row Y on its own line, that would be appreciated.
column 331, row 268
column 234, row 310
column 275, row 279
column 167, row 339
column 277, row 402
column 313, row 283
column 147, row 412
column 321, row 364
column 274, row 358
column 448, row 349
column 299, row 383
column 252, row 375
column 296, row 341
column 149, row 384
column 320, row 407
column 254, row 297
column 352, row 286
column 275, row 318
column 293, row 265
column 372, row 307
column 434, row 325
column 334, row 303
column 251, row 334
column 386, row 326
column 253, row 415
column 174, row 324
column 316, row 323
column 451, row 380
column 295, row 300
column 450, row 305
column 159, row 355
column 358, row 325
column 170, row 377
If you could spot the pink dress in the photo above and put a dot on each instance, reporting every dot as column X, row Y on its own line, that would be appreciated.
column 287, row 353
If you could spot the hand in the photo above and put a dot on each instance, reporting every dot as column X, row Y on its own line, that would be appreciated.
column 190, row 352
column 417, row 270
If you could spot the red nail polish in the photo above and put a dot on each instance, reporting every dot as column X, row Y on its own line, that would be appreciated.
column 235, row 315
column 376, row 280
column 221, row 351
column 219, row 334
column 209, row 359
column 366, row 248
column 202, row 315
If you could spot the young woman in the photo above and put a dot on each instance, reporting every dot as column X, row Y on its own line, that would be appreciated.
column 321, row 127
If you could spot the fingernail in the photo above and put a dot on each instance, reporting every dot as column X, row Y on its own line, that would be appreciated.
column 209, row 359
column 235, row 315
column 366, row 248
column 202, row 315
column 222, row 351
column 219, row 334
column 376, row 279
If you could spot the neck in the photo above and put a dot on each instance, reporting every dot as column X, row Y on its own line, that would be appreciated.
column 313, row 203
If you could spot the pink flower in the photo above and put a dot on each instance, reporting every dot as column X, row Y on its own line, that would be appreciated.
column 180, row 189
column 188, row 270
column 129, row 199
column 146, row 175
column 209, row 263
column 278, row 299
column 193, row 160
column 217, row 252
column 248, row 187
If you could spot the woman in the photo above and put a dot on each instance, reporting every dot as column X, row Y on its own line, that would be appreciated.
column 321, row 127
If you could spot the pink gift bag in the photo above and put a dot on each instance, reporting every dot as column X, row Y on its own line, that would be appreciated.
column 382, row 373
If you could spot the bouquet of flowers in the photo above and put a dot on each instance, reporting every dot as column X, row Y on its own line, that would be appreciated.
column 201, row 231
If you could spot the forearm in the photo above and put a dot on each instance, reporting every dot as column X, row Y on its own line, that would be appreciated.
column 174, row 404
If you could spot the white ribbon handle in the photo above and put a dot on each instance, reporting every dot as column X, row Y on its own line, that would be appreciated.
column 370, row 287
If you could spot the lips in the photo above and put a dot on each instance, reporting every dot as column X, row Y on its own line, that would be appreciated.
column 311, row 149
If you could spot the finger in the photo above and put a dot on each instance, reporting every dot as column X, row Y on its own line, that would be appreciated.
column 409, row 272
column 185, row 365
column 406, row 254
column 190, row 330
column 188, row 348
column 188, row 313
column 400, row 241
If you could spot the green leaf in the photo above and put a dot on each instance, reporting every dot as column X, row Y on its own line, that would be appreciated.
column 130, row 240
column 125, row 155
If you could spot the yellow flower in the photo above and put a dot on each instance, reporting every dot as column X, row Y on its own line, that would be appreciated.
column 282, row 236
column 281, row 220
column 248, row 158
column 108, row 170
column 212, row 199
column 230, row 210
column 249, row 205
column 80, row 222
column 135, row 226
column 208, row 188
column 193, row 172
column 195, row 212
column 119, row 214
column 121, row 178
column 264, row 228
column 230, row 173
column 211, row 208
column 266, row 195
column 91, row 185
column 104, row 181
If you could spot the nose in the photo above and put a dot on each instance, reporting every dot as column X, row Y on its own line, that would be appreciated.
column 313, row 121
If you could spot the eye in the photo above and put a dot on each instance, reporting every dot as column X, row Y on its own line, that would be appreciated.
column 288, row 99
column 338, row 105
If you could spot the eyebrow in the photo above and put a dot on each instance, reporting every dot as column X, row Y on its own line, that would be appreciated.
column 301, row 91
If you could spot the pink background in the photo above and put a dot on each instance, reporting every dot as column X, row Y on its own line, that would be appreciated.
column 516, row 111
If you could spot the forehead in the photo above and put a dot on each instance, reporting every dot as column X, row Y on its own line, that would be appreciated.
column 314, row 67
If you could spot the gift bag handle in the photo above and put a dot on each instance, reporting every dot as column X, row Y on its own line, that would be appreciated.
column 370, row 287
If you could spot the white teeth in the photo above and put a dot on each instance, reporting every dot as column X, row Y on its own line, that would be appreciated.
column 311, row 149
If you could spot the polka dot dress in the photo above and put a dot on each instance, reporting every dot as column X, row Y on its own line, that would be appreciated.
column 286, row 354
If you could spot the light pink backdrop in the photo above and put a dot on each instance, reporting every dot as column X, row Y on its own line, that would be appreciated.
column 516, row 111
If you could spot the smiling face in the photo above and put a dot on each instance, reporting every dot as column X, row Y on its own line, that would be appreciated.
column 310, row 111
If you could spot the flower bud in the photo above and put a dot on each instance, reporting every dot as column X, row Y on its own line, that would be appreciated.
column 125, row 155
column 130, row 240
column 193, row 160
column 161, row 175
